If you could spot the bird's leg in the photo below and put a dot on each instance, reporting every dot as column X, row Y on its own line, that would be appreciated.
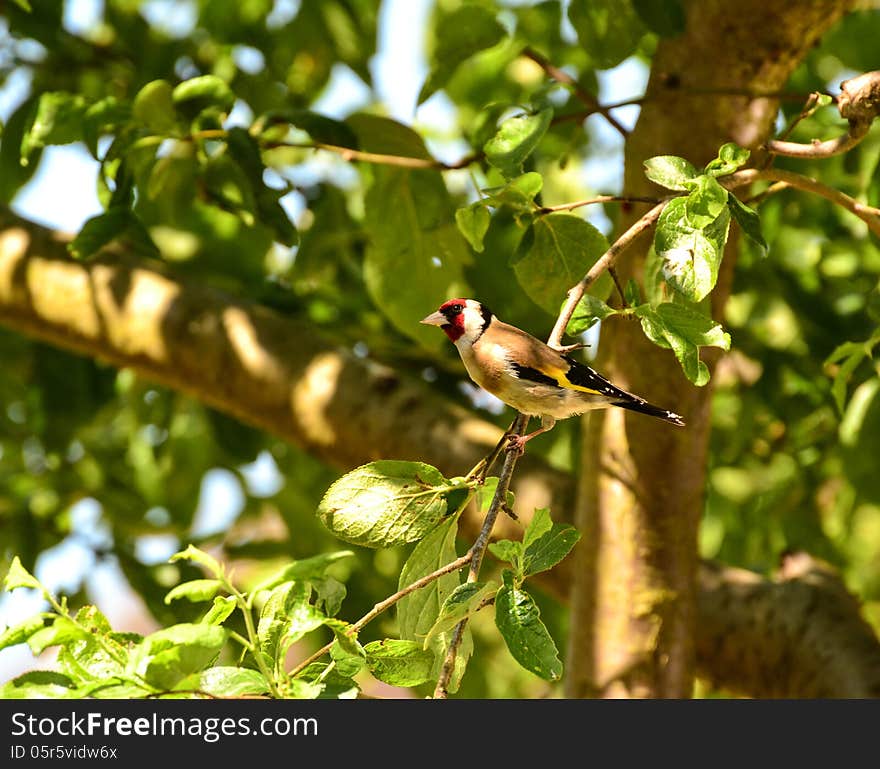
column 481, row 471
column 518, row 442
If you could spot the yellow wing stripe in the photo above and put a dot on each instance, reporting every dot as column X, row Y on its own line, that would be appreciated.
column 562, row 379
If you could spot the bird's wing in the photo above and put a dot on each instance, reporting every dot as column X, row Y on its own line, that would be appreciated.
column 530, row 359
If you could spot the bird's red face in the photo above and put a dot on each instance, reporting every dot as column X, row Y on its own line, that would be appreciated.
column 450, row 318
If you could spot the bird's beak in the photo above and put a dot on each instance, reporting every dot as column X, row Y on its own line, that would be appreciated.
column 435, row 319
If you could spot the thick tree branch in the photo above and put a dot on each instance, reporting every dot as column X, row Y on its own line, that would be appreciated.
column 277, row 374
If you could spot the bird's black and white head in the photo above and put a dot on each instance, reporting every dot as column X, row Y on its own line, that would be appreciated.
column 462, row 320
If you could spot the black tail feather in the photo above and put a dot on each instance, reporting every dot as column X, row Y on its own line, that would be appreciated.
column 643, row 407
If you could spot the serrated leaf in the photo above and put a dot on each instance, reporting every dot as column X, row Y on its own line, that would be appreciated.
column 460, row 604
column 730, row 157
column 399, row 663
column 510, row 551
column 684, row 330
column 705, row 202
column 749, row 221
column 57, row 119
column 319, row 127
column 691, row 256
column 116, row 223
column 519, row 193
column 195, row 590
column 473, row 222
column 164, row 658
column 515, row 140
column 39, row 684
column 518, row 619
column 18, row 634
column 608, row 30
column 418, row 611
column 539, row 525
column 385, row 503
column 309, row 569
column 665, row 17
column 18, row 576
column 588, row 311
column 671, row 172
column 550, row 548
column 286, row 617
column 227, row 681
column 192, row 553
column 220, row 610
column 466, row 31
column 564, row 248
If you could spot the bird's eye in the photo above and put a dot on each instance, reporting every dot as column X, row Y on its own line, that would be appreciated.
column 456, row 308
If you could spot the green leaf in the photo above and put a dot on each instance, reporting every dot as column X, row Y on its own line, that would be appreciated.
column 39, row 684
column 399, row 663
column 192, row 553
column 57, row 119
column 286, row 617
column 18, row 634
column 509, row 551
column 385, row 503
column 671, row 171
column 849, row 355
column 538, row 526
column 220, row 610
column 705, row 202
column 164, row 658
column 518, row 619
column 117, row 223
column 18, row 576
column 515, row 140
column 550, row 548
column 519, row 193
column 691, row 256
column 473, row 223
column 608, row 30
column 588, row 311
column 665, row 17
column 412, row 238
column 467, row 30
column 730, row 157
column 346, row 652
column 486, row 492
column 684, row 330
column 417, row 612
column 195, row 590
column 310, row 569
column 154, row 106
column 860, row 440
column 227, row 681
column 564, row 248
column 14, row 173
column 463, row 602
column 748, row 219
column 200, row 93
column 319, row 127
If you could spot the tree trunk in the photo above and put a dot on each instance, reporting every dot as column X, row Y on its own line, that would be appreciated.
column 642, row 484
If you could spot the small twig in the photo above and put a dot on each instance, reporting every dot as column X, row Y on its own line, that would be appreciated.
column 402, row 161
column 816, row 149
column 868, row 214
column 458, row 563
column 597, row 199
column 613, row 273
column 476, row 553
column 561, row 76
column 576, row 292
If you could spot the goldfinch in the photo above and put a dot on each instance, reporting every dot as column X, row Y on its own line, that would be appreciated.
column 527, row 374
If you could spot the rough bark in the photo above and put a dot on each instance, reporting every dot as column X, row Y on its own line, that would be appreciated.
column 633, row 598
column 257, row 366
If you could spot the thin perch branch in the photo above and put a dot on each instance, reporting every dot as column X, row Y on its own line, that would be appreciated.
column 560, row 76
column 476, row 553
column 458, row 563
